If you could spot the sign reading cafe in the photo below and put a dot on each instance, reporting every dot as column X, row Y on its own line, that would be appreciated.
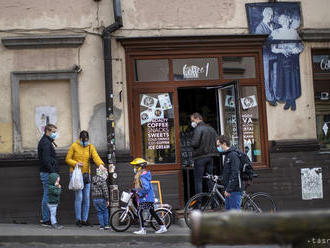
column 193, row 71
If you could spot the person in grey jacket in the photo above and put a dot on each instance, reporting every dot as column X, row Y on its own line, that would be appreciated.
column 204, row 145
column 100, row 195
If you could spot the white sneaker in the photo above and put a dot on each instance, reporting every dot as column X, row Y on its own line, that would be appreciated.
column 162, row 229
column 142, row 231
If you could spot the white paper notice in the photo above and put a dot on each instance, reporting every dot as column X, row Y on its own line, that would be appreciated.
column 165, row 101
column 148, row 101
column 45, row 115
column 311, row 183
column 249, row 102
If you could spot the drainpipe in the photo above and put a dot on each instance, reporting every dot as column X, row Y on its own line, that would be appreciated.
column 111, row 147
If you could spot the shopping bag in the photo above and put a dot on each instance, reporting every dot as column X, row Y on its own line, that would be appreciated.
column 76, row 181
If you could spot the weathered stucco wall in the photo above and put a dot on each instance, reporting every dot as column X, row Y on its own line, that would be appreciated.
column 44, row 17
column 54, row 14
column 45, row 93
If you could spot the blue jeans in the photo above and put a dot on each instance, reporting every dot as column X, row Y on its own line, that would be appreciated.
column 82, row 202
column 102, row 211
column 233, row 201
column 52, row 209
column 201, row 167
column 44, row 207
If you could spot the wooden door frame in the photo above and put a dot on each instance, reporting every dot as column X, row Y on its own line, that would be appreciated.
column 185, row 47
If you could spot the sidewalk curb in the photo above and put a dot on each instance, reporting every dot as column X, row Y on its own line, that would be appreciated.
column 77, row 239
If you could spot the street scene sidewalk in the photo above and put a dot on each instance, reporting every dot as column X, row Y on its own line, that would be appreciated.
column 33, row 235
column 25, row 233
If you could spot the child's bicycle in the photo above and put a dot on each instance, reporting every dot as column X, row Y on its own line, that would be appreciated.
column 123, row 218
column 259, row 202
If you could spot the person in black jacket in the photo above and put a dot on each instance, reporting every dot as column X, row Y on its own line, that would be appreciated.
column 48, row 164
column 231, row 173
column 204, row 144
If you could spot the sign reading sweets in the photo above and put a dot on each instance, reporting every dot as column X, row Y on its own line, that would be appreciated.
column 158, row 134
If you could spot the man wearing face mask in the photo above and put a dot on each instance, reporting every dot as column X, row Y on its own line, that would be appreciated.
column 79, row 154
column 48, row 164
column 204, row 144
column 230, row 174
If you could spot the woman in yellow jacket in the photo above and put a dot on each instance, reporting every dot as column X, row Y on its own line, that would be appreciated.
column 79, row 154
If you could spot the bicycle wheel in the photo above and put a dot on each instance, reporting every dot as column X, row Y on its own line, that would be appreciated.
column 165, row 216
column 120, row 221
column 205, row 202
column 260, row 202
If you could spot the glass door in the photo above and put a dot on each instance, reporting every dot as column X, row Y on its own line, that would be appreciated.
column 156, row 132
column 229, row 112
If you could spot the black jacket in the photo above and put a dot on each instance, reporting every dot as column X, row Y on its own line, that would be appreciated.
column 47, row 155
column 231, row 169
column 204, row 141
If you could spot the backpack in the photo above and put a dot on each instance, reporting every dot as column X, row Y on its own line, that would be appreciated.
column 246, row 169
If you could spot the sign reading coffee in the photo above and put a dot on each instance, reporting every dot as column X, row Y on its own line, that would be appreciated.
column 158, row 134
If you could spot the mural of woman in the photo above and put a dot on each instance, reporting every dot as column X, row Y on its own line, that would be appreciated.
column 287, row 87
column 281, row 49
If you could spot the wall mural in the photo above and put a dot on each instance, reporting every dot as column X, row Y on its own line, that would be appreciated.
column 281, row 49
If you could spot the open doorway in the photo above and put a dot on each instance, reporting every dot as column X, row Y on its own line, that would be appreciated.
column 205, row 102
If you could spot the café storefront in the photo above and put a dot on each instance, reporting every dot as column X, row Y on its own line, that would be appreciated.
column 169, row 78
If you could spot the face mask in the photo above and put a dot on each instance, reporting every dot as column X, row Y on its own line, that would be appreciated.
column 134, row 170
column 53, row 135
column 84, row 143
column 219, row 148
column 193, row 124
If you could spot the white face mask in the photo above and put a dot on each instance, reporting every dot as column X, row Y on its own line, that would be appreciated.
column 193, row 124
column 134, row 169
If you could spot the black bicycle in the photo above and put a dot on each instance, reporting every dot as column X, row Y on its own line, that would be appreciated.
column 259, row 202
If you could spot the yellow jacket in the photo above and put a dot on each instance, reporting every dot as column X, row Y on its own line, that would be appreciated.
column 78, row 153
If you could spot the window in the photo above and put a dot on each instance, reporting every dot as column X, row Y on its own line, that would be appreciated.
column 158, row 131
column 321, row 73
column 151, row 70
column 250, row 122
column 236, row 67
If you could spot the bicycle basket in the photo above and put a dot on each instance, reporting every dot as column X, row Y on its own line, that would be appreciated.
column 125, row 197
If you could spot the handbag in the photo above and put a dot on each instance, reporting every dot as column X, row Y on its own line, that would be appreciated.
column 86, row 178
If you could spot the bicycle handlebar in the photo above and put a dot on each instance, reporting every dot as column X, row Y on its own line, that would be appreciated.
column 214, row 178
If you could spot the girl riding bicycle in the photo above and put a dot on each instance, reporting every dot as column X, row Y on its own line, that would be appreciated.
column 145, row 194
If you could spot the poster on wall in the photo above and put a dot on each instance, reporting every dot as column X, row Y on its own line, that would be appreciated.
column 44, row 115
column 281, row 50
column 149, row 101
column 249, row 102
column 146, row 116
column 311, row 183
column 165, row 101
column 230, row 101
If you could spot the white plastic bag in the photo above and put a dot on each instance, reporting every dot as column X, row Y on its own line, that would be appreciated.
column 76, row 181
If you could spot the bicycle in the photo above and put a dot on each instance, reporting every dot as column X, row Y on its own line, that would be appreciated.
column 258, row 202
column 123, row 218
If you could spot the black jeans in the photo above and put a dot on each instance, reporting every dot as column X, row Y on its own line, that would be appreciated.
column 201, row 167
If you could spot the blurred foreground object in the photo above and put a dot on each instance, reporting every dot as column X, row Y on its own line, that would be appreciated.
column 300, row 228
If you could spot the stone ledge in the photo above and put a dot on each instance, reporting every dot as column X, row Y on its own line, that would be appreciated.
column 43, row 41
column 315, row 34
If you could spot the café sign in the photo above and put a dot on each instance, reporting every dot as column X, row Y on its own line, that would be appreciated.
column 325, row 64
column 193, row 71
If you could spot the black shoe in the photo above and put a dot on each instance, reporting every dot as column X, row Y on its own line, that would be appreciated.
column 46, row 223
column 86, row 223
column 79, row 223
